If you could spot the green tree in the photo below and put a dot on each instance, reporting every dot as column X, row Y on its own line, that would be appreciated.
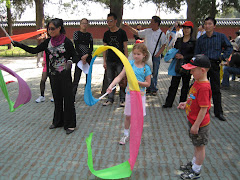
column 229, row 12
column 197, row 10
column 13, row 9
column 115, row 6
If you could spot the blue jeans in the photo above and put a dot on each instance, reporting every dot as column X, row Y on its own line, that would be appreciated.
column 226, row 73
column 156, row 64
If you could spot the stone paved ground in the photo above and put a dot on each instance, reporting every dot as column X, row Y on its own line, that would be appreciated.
column 29, row 150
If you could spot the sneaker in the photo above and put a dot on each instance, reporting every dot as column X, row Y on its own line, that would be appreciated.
column 107, row 103
column 123, row 140
column 122, row 104
column 52, row 100
column 186, row 167
column 190, row 175
column 40, row 99
column 154, row 93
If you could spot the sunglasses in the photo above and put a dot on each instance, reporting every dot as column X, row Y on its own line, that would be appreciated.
column 51, row 28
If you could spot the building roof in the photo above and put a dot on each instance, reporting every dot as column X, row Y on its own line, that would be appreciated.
column 97, row 22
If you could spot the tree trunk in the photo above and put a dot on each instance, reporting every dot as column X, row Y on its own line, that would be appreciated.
column 213, row 9
column 9, row 22
column 191, row 14
column 39, row 15
column 39, row 22
column 116, row 6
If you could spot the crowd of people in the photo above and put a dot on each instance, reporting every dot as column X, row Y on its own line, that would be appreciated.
column 199, row 56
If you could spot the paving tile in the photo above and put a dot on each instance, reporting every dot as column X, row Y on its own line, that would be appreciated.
column 29, row 150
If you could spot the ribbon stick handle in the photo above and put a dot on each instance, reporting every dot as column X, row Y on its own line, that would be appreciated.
column 107, row 93
column 6, row 33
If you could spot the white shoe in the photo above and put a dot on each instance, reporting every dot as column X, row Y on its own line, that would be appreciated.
column 52, row 100
column 40, row 99
column 123, row 140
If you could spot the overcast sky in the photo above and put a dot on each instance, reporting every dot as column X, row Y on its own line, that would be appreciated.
column 99, row 12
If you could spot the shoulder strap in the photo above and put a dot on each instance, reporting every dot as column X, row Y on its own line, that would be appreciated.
column 157, row 43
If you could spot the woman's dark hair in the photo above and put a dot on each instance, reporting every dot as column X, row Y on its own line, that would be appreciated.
column 191, row 30
column 57, row 23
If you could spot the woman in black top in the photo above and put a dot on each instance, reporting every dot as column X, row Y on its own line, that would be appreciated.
column 60, row 54
column 186, row 46
column 84, row 46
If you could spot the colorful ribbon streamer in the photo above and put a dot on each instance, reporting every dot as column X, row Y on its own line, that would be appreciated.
column 20, row 37
column 125, row 169
column 24, row 94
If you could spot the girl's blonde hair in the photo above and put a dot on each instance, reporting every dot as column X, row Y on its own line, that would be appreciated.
column 143, row 48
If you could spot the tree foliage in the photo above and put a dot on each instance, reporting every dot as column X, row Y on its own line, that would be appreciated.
column 171, row 5
column 17, row 7
column 230, row 4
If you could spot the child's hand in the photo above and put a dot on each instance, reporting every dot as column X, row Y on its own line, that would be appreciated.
column 194, row 129
column 182, row 105
column 43, row 63
column 109, row 90
column 179, row 56
column 105, row 65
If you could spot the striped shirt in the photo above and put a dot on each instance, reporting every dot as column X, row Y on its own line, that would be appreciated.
column 216, row 47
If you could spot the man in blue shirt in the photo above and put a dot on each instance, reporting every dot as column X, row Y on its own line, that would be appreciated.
column 217, row 47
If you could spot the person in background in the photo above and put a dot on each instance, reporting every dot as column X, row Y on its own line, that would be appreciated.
column 217, row 48
column 84, row 46
column 139, row 27
column 155, row 40
column 201, row 31
column 117, row 38
column 41, row 98
column 186, row 46
column 60, row 54
column 232, row 66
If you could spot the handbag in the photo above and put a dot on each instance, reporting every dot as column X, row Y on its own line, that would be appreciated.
column 179, row 69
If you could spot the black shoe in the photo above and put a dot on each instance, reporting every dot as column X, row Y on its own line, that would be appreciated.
column 166, row 106
column 69, row 131
column 221, row 117
column 52, row 127
column 225, row 87
column 122, row 104
column 148, row 92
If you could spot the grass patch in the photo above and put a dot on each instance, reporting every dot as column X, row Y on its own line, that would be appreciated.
column 14, row 52
column 18, row 52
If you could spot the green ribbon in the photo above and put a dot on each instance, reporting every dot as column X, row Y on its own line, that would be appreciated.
column 5, row 92
column 116, row 172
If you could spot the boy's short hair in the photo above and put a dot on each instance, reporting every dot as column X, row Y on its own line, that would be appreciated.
column 157, row 20
column 211, row 19
column 113, row 15
column 199, row 60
